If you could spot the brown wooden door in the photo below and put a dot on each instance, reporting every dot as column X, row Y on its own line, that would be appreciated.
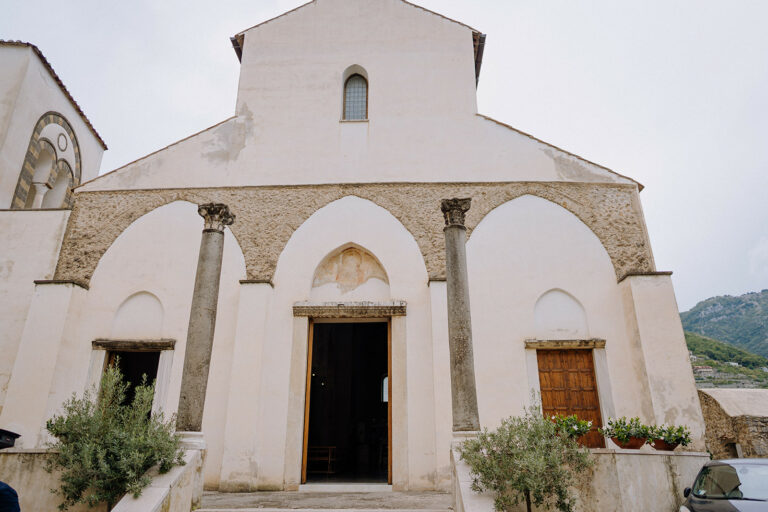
column 568, row 386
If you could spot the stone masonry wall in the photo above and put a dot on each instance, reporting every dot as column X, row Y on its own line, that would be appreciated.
column 268, row 216
column 751, row 432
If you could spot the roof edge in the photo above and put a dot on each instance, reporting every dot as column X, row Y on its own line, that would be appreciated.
column 61, row 85
column 640, row 186
column 154, row 152
column 242, row 32
column 478, row 38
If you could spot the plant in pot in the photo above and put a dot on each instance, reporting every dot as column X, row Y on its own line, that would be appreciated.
column 667, row 438
column 629, row 434
column 571, row 426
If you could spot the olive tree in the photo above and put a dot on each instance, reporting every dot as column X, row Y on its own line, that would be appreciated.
column 104, row 447
column 527, row 459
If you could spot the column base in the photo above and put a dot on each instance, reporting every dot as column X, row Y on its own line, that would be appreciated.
column 192, row 440
column 460, row 437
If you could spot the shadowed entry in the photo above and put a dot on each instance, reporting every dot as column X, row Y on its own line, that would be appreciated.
column 347, row 427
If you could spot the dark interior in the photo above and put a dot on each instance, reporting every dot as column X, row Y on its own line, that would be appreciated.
column 133, row 366
column 348, row 413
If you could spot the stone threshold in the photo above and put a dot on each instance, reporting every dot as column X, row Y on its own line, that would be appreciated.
column 345, row 487
column 324, row 509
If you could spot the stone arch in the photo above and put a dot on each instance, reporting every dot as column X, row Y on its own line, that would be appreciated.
column 267, row 216
column 559, row 315
column 44, row 169
column 140, row 316
column 325, row 235
column 116, row 219
column 24, row 185
column 62, row 181
column 560, row 201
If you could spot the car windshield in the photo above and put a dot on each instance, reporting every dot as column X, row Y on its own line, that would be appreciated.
column 733, row 482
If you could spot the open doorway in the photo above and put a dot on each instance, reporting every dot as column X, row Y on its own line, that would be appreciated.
column 347, row 433
column 134, row 366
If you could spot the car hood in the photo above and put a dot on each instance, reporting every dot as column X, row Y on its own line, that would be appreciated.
column 729, row 506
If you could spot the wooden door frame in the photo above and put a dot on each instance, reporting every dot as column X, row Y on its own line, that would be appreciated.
column 308, row 390
column 546, row 347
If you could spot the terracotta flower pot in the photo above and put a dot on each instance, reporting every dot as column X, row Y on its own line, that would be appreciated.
column 662, row 445
column 632, row 444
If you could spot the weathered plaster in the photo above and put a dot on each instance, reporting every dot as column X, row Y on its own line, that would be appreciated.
column 349, row 268
column 268, row 216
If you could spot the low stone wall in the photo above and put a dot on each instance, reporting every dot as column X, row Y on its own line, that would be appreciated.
column 734, row 428
column 754, row 430
column 179, row 490
column 24, row 470
column 621, row 481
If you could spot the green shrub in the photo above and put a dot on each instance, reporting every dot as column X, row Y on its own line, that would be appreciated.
column 104, row 449
column 526, row 460
column 623, row 429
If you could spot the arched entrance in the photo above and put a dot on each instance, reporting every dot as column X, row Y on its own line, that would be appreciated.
column 347, row 416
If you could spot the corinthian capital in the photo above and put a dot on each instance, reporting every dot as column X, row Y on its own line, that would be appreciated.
column 454, row 210
column 216, row 216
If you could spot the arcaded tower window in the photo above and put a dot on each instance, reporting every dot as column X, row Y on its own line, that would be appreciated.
column 356, row 98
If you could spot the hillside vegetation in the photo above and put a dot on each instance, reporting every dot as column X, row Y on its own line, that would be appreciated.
column 723, row 352
column 740, row 321
column 717, row 354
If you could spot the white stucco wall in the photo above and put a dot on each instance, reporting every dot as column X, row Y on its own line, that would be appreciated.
column 157, row 254
column 30, row 91
column 519, row 252
column 29, row 247
column 422, row 101
column 275, row 416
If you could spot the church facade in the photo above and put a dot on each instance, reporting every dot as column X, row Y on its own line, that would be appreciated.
column 332, row 359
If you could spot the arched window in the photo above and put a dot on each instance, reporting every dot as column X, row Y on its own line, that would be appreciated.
column 356, row 98
column 57, row 195
column 44, row 164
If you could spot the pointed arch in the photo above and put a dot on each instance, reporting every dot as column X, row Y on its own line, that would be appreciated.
column 140, row 316
column 559, row 315
column 375, row 234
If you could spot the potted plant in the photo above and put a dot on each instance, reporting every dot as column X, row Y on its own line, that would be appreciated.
column 667, row 438
column 629, row 434
column 571, row 426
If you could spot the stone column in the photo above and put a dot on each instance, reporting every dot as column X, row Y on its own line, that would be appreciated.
column 464, row 394
column 40, row 191
column 202, row 317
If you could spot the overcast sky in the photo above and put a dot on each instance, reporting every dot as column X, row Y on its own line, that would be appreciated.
column 673, row 93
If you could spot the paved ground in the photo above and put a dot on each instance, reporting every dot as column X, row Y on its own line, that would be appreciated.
column 347, row 501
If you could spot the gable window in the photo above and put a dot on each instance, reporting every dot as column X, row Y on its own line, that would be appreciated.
column 356, row 98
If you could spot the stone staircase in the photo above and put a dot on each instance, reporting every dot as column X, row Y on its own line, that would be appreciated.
column 327, row 501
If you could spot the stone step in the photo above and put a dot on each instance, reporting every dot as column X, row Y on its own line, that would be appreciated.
column 327, row 502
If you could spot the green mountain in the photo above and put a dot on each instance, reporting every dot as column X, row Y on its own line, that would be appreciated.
column 719, row 357
column 741, row 321
column 723, row 352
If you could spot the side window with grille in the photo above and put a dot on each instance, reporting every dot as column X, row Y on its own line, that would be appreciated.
column 356, row 98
